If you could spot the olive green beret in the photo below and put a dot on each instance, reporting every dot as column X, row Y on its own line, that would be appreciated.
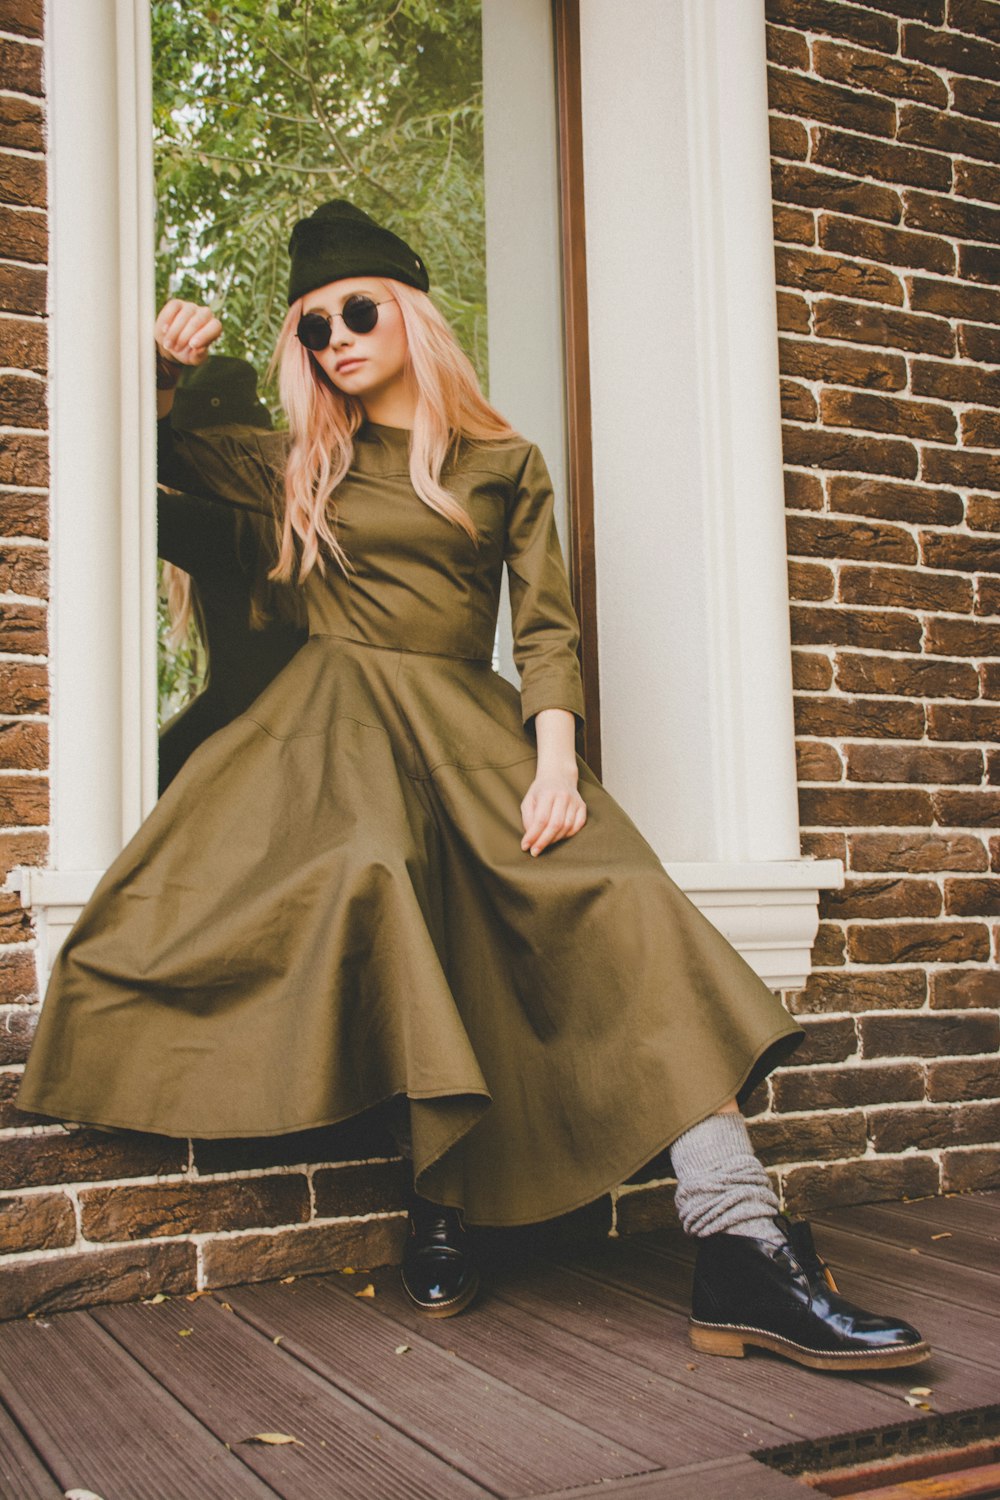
column 340, row 240
column 221, row 391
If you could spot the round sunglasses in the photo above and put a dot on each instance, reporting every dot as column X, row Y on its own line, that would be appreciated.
column 360, row 314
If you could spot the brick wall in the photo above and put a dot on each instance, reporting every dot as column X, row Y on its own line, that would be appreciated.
column 886, row 168
column 886, row 148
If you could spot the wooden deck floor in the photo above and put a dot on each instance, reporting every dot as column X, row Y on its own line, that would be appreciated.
column 571, row 1375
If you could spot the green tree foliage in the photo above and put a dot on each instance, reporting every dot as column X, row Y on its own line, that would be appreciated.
column 262, row 109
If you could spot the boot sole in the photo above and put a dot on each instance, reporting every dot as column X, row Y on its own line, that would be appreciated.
column 730, row 1340
column 444, row 1309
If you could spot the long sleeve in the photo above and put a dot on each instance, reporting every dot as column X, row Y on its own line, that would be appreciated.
column 242, row 466
column 545, row 625
column 194, row 533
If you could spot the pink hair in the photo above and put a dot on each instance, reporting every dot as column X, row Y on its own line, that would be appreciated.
column 323, row 420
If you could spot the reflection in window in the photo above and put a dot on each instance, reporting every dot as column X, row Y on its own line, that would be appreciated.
column 263, row 109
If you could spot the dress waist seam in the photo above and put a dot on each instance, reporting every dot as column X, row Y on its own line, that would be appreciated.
column 333, row 635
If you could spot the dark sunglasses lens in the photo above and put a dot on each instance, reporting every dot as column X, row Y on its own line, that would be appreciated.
column 360, row 314
column 314, row 331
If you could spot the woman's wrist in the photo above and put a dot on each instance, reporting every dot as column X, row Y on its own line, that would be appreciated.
column 168, row 371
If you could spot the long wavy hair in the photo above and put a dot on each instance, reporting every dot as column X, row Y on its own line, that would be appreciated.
column 322, row 421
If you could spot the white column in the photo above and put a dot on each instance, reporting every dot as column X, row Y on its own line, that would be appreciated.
column 693, row 625
column 102, row 616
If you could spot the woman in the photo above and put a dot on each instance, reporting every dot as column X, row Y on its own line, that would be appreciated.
column 393, row 883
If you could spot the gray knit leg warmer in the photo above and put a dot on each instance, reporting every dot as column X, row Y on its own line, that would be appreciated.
column 721, row 1186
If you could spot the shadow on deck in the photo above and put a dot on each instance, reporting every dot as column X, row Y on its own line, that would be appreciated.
column 570, row 1375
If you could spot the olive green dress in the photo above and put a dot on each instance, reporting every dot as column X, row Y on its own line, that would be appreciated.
column 329, row 908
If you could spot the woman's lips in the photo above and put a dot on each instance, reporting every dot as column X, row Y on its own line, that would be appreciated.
column 347, row 364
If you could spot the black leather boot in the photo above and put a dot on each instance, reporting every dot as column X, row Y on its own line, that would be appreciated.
column 438, row 1271
column 783, row 1298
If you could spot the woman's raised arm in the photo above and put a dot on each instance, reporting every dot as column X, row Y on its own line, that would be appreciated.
column 185, row 332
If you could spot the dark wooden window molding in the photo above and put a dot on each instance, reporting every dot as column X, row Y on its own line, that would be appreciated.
column 580, row 469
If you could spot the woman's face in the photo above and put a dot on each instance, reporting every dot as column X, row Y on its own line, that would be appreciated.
column 364, row 365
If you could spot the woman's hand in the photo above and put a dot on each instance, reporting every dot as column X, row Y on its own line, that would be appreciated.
column 185, row 332
column 552, row 808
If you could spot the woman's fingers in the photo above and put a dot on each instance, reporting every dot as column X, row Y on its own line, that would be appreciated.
column 185, row 331
column 548, row 818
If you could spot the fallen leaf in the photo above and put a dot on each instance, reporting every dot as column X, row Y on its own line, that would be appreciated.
column 945, row 1234
column 691, row 1367
column 366, row 1291
column 914, row 1250
column 915, row 1401
column 227, row 1305
column 402, row 1348
column 347, row 1271
column 286, row 1279
column 920, row 1390
column 149, row 1301
column 80, row 1495
column 277, row 1339
column 272, row 1438
column 182, row 1333
column 193, row 1296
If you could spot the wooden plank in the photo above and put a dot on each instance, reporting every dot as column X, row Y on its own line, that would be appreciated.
column 453, row 1391
column 23, row 1476
column 980, row 1251
column 728, row 1479
column 963, row 1218
column 652, row 1415
column 965, row 1484
column 238, row 1383
column 99, row 1423
column 613, row 1319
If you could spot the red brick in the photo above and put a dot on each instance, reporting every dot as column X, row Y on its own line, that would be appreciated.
column 970, row 1171
column 821, row 448
column 877, row 158
column 788, row 138
column 978, row 17
column 967, row 470
column 18, row 977
column 24, row 745
column 816, row 761
column 951, row 216
column 793, row 183
column 811, row 670
column 21, row 16
column 977, row 180
column 24, row 570
column 894, row 247
column 975, row 898
column 22, row 179
column 147, row 1211
column 954, row 299
column 36, row 1221
column 825, row 536
column 981, row 429
column 22, row 123
column 22, row 629
column 798, row 404
column 829, row 945
column 979, row 263
column 913, row 764
column 964, row 989
column 906, row 588
column 966, row 721
column 24, row 514
column 15, row 927
column 87, row 1155
column 931, row 11
column 862, row 409
column 807, row 581
column 881, row 718
column 809, row 1140
column 368, row 1189
column 24, row 801
column 867, row 323
column 964, row 1078
column 954, row 382
column 21, row 66
column 793, row 313
column 895, row 989
column 22, row 401
column 241, row 1258
column 825, row 1042
column 879, row 74
column 811, row 271
column 822, row 844
column 918, row 942
column 23, row 688
column 916, row 852
column 23, row 347
column 124, row 1274
column 819, row 626
column 845, row 1087
column 968, row 554
column 958, row 54
column 23, row 233
column 861, row 495
column 792, row 94
column 22, row 289
column 833, row 363
column 794, row 226
column 803, row 491
column 887, row 897
column 833, row 19
column 987, row 589
column 928, row 1129
column 913, row 676
column 787, row 47
column 977, row 342
column 967, row 809
column 939, row 1035
column 24, row 459
column 807, row 1189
